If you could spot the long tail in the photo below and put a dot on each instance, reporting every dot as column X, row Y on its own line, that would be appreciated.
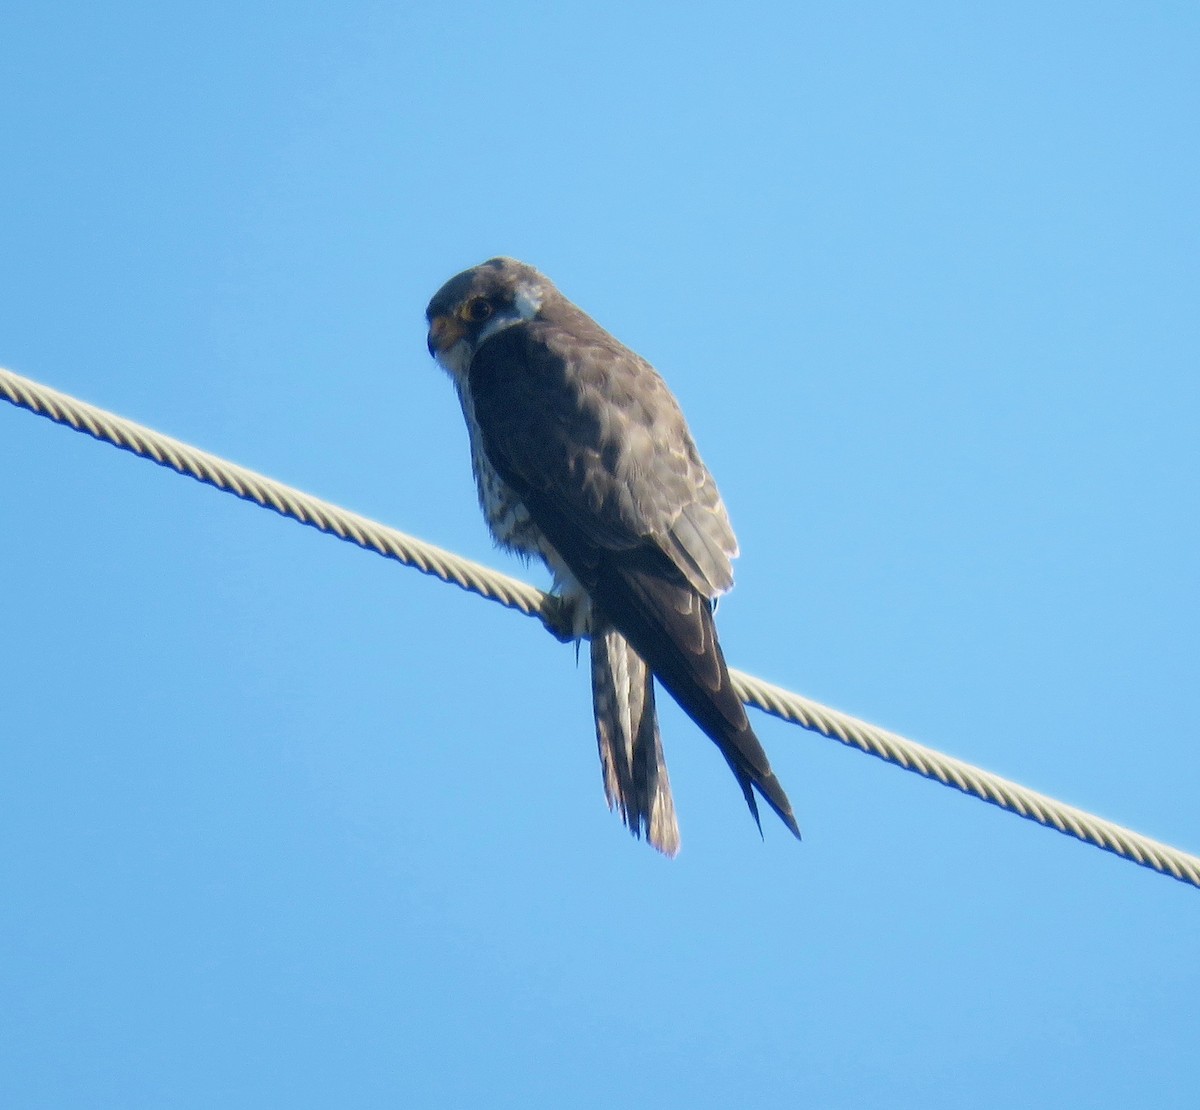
column 631, row 755
column 668, row 623
column 671, row 628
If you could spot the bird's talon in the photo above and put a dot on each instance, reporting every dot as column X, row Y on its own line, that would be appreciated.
column 557, row 616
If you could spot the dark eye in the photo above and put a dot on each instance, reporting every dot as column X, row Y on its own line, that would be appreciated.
column 478, row 310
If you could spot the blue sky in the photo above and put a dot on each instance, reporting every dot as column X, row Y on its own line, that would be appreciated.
column 284, row 824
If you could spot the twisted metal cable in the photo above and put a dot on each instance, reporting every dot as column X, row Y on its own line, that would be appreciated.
column 250, row 486
column 510, row 592
column 969, row 779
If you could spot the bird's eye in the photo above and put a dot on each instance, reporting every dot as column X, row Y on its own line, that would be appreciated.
column 478, row 310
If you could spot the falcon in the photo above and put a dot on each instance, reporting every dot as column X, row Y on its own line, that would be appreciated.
column 583, row 459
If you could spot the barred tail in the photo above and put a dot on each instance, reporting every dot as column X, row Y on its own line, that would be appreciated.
column 631, row 755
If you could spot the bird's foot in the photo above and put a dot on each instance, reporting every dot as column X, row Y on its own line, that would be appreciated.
column 567, row 616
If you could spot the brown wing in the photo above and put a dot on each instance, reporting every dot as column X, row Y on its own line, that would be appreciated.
column 597, row 449
column 635, row 469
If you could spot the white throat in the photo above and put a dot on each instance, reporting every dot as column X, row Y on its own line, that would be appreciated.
column 456, row 360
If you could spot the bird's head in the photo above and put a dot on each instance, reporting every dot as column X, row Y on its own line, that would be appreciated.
column 476, row 304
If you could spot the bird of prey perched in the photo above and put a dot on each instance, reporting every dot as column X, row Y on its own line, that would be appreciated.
column 582, row 458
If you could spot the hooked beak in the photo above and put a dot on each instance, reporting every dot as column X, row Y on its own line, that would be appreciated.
column 444, row 332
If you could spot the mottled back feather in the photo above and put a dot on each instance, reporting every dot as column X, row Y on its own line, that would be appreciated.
column 556, row 437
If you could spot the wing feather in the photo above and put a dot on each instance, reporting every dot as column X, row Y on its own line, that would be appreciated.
column 595, row 446
column 606, row 441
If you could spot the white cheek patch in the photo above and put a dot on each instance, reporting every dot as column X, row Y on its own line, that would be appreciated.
column 528, row 300
column 495, row 325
